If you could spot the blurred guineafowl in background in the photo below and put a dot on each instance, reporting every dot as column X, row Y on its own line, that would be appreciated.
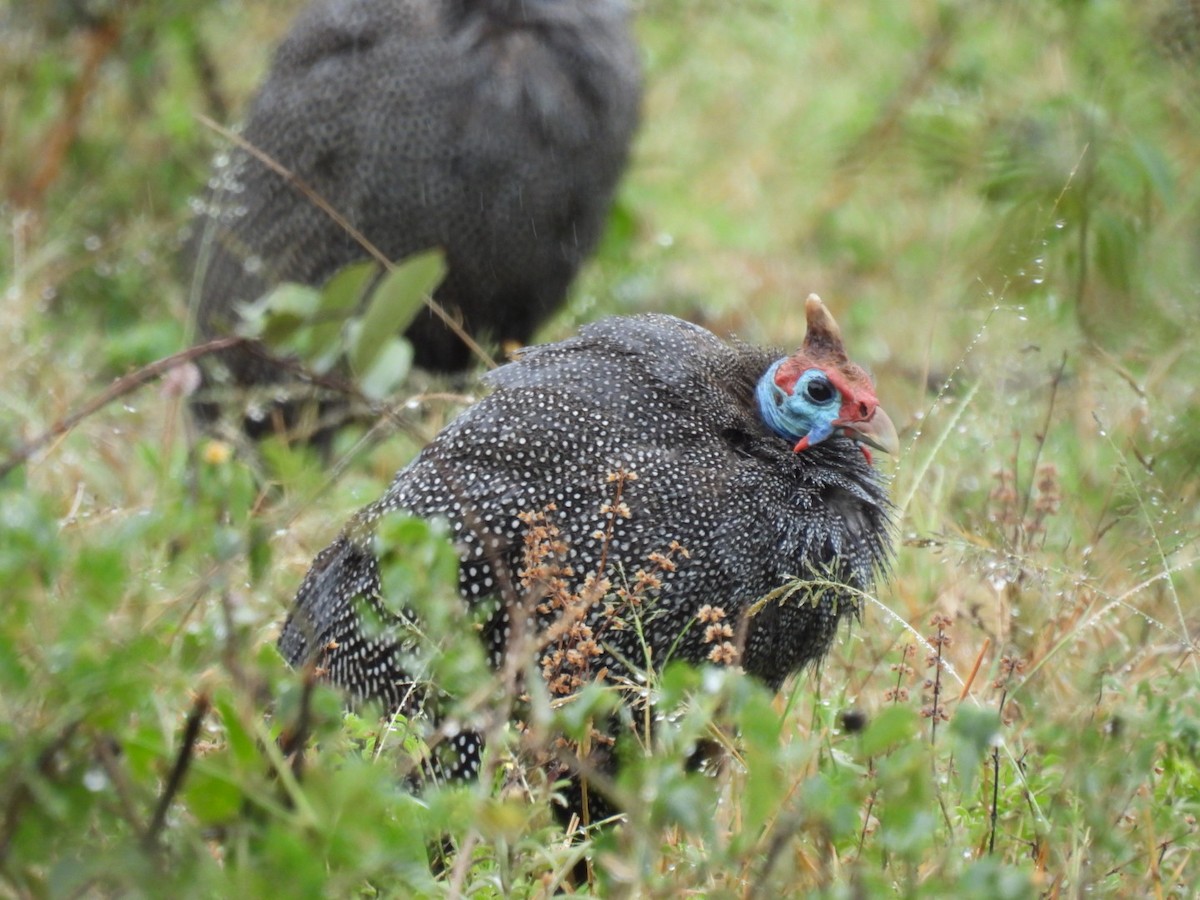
column 494, row 129
column 643, row 481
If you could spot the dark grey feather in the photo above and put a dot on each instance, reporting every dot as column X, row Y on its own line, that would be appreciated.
column 661, row 398
column 495, row 129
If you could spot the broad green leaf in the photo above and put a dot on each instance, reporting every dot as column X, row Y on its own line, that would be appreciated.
column 212, row 792
column 277, row 316
column 894, row 725
column 761, row 726
column 393, row 306
column 345, row 289
column 389, row 366
column 298, row 300
column 322, row 345
column 974, row 730
column 240, row 742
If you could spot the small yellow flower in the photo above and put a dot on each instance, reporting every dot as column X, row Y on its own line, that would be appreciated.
column 217, row 453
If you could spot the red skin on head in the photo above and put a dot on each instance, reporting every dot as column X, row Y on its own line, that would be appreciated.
column 823, row 349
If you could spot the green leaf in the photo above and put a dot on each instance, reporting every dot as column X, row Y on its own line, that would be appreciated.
column 895, row 725
column 278, row 315
column 992, row 878
column 321, row 345
column 259, row 551
column 975, row 731
column 345, row 289
column 675, row 682
column 241, row 744
column 298, row 300
column 389, row 367
column 587, row 706
column 394, row 305
column 761, row 726
column 212, row 796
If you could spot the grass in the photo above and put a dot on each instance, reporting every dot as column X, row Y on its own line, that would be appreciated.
column 999, row 205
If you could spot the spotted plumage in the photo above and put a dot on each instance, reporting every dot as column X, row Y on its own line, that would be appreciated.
column 638, row 452
column 494, row 129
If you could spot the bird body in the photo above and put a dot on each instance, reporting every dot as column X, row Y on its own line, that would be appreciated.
column 639, row 453
column 493, row 129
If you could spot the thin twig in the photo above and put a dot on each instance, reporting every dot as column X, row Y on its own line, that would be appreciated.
column 1162, row 846
column 784, row 832
column 987, row 642
column 183, row 759
column 462, row 863
column 862, row 835
column 292, row 741
column 119, row 388
column 939, row 640
column 54, row 147
column 119, row 777
column 1009, row 666
column 995, row 815
column 1041, row 437
column 206, row 74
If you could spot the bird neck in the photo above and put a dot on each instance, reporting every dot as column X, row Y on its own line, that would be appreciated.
column 770, row 403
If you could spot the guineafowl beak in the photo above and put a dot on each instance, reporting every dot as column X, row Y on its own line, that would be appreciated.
column 877, row 431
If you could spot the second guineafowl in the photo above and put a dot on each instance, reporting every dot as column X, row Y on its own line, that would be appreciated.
column 493, row 129
column 658, row 477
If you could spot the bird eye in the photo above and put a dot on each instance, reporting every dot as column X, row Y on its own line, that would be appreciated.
column 819, row 390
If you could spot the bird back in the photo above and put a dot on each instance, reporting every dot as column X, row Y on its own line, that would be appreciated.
column 495, row 130
column 639, row 446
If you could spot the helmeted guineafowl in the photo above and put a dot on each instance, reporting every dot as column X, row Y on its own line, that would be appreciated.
column 494, row 129
column 677, row 480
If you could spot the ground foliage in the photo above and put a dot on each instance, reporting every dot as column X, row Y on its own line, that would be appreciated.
column 999, row 203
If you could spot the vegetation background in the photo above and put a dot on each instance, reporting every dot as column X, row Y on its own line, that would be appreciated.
column 1000, row 204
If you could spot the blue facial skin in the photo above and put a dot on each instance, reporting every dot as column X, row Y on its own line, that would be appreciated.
column 809, row 411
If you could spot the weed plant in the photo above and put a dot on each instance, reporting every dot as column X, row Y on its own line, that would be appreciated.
column 999, row 202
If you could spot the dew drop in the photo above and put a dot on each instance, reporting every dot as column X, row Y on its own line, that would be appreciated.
column 95, row 780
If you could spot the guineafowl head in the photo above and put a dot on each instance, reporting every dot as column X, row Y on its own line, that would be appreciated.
column 817, row 392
